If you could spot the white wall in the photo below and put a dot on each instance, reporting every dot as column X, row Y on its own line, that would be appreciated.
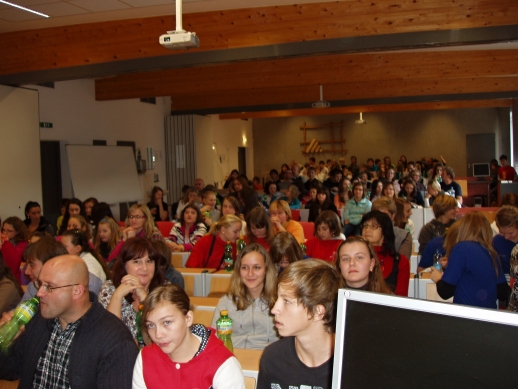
column 19, row 150
column 214, row 164
column 78, row 118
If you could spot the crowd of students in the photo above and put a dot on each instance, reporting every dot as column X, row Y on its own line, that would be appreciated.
column 283, row 289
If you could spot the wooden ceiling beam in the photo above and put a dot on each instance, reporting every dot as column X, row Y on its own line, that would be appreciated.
column 334, row 72
column 114, row 41
column 428, row 106
column 342, row 94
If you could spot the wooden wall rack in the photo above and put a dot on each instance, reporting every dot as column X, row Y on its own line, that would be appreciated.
column 337, row 146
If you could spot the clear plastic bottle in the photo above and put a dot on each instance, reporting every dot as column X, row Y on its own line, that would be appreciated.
column 240, row 244
column 437, row 260
column 227, row 259
column 22, row 315
column 224, row 330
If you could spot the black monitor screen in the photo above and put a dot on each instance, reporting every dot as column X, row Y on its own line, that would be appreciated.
column 386, row 347
column 480, row 169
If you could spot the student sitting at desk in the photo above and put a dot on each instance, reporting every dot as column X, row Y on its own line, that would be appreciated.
column 260, row 228
column 186, row 354
column 107, row 237
column 248, row 301
column 304, row 315
column 188, row 231
column 474, row 273
column 13, row 242
column 136, row 273
column 209, row 250
column 360, row 267
column 140, row 223
column 328, row 236
column 280, row 215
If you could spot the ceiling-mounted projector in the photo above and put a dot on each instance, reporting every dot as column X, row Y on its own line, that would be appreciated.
column 360, row 121
column 179, row 39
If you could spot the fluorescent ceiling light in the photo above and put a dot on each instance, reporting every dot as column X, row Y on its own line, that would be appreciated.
column 24, row 9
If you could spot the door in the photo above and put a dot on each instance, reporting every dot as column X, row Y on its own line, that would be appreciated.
column 51, row 180
column 480, row 148
column 241, row 160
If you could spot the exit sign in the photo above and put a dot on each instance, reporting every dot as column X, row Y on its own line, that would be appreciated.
column 45, row 125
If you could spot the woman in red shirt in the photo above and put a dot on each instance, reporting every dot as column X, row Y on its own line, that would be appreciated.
column 328, row 236
column 260, row 228
column 13, row 242
column 209, row 250
column 377, row 229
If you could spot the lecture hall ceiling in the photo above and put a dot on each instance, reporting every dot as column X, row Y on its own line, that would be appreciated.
column 272, row 55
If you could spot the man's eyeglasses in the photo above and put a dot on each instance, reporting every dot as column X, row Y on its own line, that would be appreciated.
column 47, row 288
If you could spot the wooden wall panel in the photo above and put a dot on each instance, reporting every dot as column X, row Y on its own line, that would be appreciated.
column 326, row 70
column 79, row 45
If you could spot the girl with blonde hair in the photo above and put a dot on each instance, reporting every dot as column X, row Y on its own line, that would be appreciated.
column 251, row 295
column 139, row 223
column 209, row 250
column 474, row 274
column 107, row 237
column 280, row 215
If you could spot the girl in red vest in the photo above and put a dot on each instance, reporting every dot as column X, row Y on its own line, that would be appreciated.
column 184, row 354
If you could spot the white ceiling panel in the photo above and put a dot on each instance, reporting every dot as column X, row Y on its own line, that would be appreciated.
column 99, row 5
column 149, row 3
column 17, row 15
column 59, row 9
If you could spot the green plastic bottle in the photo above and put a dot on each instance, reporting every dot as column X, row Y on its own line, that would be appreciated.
column 138, row 322
column 22, row 315
column 227, row 259
column 224, row 330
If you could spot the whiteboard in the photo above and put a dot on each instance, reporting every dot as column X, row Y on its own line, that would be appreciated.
column 108, row 173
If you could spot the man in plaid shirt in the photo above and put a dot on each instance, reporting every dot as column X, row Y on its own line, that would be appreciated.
column 73, row 342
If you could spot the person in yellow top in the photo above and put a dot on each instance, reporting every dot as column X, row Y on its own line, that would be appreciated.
column 280, row 215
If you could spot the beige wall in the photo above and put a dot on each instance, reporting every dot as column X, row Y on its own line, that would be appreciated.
column 227, row 136
column 19, row 150
column 414, row 134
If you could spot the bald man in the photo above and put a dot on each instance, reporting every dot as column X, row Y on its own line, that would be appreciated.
column 73, row 341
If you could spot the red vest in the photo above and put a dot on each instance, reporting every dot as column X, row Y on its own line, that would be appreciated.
column 160, row 371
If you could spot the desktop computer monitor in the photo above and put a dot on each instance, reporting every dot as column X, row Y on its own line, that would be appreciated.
column 481, row 170
column 386, row 341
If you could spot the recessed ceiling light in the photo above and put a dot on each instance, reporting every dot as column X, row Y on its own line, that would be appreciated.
column 24, row 9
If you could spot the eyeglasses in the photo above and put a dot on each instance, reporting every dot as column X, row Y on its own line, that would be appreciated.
column 373, row 226
column 47, row 288
column 136, row 217
column 7, row 231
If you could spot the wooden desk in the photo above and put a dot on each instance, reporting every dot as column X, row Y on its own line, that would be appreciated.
column 249, row 360
column 198, row 274
column 204, row 301
column 178, row 259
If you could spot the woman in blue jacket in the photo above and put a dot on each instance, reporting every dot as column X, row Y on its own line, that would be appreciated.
column 354, row 210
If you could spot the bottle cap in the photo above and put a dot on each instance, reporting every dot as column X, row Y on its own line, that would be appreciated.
column 224, row 313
